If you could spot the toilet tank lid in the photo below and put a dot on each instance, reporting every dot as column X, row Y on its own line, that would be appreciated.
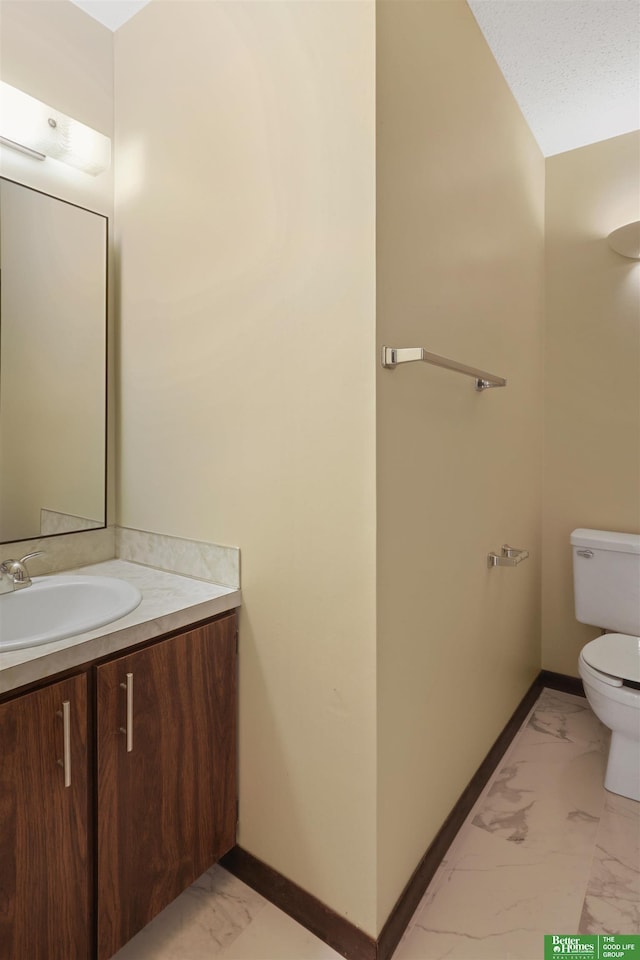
column 606, row 540
column 616, row 654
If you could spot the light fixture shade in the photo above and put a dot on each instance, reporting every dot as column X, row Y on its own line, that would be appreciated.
column 30, row 124
column 626, row 240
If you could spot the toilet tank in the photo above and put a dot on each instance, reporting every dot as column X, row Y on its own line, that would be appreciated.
column 606, row 579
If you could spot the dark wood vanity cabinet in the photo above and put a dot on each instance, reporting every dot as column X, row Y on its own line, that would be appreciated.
column 152, row 800
column 44, row 812
column 166, row 774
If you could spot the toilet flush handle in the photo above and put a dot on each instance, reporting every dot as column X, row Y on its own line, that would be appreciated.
column 585, row 553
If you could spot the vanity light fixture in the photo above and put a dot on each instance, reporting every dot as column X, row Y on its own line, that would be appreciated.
column 33, row 128
column 626, row 240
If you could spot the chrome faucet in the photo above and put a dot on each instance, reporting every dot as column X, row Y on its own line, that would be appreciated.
column 14, row 574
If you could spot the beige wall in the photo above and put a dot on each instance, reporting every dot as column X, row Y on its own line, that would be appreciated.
column 460, row 271
column 592, row 372
column 246, row 198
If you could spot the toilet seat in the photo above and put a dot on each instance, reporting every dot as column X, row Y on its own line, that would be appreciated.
column 615, row 654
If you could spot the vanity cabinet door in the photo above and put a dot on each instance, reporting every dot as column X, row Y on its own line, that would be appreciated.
column 44, row 876
column 166, row 774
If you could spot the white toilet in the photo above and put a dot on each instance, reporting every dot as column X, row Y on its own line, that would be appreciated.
column 606, row 578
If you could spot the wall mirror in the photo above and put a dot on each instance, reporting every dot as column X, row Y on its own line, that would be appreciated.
column 53, row 323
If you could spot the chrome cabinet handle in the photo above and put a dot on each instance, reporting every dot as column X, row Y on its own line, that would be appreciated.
column 65, row 763
column 128, row 730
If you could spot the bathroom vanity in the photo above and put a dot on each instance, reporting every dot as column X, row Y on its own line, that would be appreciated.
column 118, row 782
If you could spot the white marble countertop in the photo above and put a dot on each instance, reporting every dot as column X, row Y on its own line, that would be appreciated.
column 169, row 602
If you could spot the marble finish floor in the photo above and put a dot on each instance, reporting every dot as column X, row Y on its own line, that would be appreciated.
column 220, row 916
column 546, row 849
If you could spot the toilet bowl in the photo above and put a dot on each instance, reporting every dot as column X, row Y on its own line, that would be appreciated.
column 607, row 665
column 606, row 578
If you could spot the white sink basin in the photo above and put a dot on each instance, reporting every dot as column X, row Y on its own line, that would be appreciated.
column 62, row 605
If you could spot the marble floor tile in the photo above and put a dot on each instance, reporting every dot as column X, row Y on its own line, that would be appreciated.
column 545, row 849
column 275, row 936
column 564, row 718
column 546, row 794
column 546, row 803
column 608, row 915
column 560, row 727
column 418, row 944
column 201, row 923
column 219, row 916
column 496, row 893
column 612, row 902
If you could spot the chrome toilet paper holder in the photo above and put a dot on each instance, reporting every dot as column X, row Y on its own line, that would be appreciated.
column 508, row 557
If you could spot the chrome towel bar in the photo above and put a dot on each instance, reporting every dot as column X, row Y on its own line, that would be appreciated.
column 508, row 557
column 392, row 356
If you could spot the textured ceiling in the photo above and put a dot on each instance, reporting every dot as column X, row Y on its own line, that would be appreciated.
column 572, row 65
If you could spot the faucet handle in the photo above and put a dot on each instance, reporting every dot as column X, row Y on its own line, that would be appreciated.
column 30, row 556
